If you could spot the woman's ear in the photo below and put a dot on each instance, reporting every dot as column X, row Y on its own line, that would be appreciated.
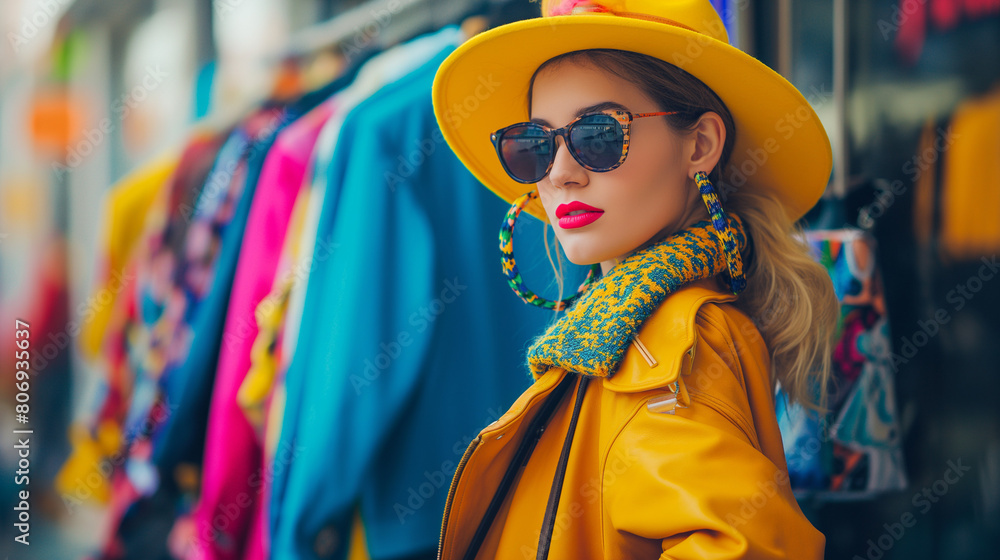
column 704, row 143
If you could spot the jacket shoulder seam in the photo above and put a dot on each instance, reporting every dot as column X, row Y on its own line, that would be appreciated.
column 742, row 422
column 713, row 322
column 728, row 411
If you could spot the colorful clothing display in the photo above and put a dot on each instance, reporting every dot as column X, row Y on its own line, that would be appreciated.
column 378, row 399
column 143, row 201
column 277, row 366
column 855, row 451
column 232, row 449
column 129, row 208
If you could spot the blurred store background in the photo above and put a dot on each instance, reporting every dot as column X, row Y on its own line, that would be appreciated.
column 166, row 166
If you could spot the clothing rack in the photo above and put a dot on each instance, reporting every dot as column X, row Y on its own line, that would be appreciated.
column 381, row 22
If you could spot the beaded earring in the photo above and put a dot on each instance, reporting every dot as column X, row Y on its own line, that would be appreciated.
column 720, row 221
column 510, row 266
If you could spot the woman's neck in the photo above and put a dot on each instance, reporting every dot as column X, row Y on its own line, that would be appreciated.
column 699, row 213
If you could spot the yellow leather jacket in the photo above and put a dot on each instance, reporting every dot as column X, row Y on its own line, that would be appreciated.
column 677, row 455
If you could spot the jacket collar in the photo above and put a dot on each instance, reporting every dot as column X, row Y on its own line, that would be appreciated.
column 594, row 334
column 669, row 337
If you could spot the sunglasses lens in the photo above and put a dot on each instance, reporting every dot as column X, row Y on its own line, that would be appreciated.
column 526, row 151
column 597, row 141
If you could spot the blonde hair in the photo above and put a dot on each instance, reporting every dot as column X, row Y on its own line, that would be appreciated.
column 789, row 296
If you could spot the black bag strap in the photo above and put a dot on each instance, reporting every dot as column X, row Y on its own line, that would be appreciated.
column 549, row 521
column 527, row 445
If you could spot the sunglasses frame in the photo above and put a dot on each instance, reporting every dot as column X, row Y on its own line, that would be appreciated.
column 624, row 119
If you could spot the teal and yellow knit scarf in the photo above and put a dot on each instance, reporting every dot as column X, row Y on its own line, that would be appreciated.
column 591, row 338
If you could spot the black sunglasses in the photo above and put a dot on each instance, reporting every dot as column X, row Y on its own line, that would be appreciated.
column 597, row 141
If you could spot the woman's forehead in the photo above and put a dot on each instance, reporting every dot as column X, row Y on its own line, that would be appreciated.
column 561, row 90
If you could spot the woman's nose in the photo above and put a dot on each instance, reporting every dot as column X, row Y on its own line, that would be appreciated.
column 566, row 171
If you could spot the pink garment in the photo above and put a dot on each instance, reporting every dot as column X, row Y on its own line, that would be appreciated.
column 234, row 475
column 255, row 540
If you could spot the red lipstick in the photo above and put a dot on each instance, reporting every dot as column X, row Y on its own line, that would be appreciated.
column 577, row 214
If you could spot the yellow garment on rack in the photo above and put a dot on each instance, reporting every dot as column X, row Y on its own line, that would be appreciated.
column 82, row 477
column 253, row 392
column 270, row 316
column 125, row 211
column 970, row 195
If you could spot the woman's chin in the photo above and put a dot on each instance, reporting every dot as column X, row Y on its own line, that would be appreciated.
column 584, row 256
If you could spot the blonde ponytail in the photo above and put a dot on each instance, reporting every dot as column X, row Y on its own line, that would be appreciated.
column 790, row 298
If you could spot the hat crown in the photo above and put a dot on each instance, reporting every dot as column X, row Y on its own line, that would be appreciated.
column 697, row 15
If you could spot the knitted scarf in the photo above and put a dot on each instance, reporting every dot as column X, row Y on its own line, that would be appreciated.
column 593, row 335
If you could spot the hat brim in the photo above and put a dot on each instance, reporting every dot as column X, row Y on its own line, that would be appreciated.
column 781, row 147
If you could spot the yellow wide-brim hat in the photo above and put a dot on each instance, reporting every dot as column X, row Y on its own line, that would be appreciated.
column 781, row 147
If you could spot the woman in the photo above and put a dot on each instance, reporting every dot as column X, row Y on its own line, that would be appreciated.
column 650, row 430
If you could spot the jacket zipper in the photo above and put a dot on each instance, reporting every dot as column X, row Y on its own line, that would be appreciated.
column 451, row 491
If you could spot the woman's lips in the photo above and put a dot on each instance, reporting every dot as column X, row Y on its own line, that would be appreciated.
column 579, row 220
column 577, row 214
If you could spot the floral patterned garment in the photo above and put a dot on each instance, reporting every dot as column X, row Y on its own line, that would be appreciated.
column 175, row 267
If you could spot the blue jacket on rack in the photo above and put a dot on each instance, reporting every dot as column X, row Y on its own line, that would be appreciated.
column 410, row 342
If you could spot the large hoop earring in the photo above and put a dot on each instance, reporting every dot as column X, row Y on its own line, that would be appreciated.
column 724, row 231
column 510, row 266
